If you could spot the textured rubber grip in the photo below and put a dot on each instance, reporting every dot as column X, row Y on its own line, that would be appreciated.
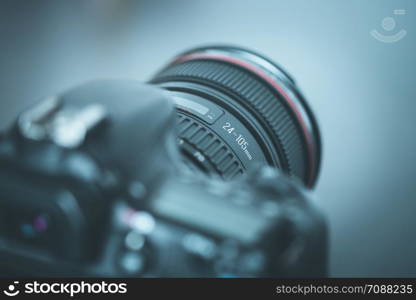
column 210, row 146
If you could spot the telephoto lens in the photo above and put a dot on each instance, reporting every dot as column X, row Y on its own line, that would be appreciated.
column 237, row 110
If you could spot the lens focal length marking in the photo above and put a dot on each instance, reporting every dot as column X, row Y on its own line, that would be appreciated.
column 240, row 140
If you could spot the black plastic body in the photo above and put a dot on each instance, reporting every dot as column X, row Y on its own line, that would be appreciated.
column 143, row 218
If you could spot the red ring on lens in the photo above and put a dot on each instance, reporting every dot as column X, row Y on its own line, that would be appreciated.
column 306, row 133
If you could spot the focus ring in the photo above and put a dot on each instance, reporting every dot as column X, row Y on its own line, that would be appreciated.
column 210, row 146
column 255, row 95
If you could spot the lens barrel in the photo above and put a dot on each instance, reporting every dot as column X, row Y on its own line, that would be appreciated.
column 237, row 110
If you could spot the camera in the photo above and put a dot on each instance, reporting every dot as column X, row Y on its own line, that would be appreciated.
column 202, row 172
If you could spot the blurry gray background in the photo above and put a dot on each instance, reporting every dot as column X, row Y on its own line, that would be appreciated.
column 362, row 90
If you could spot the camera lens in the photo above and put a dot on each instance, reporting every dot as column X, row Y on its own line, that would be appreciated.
column 236, row 110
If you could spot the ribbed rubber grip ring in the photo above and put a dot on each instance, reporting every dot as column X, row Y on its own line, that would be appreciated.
column 267, row 104
column 210, row 146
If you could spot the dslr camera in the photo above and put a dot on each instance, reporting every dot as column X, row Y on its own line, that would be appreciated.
column 202, row 172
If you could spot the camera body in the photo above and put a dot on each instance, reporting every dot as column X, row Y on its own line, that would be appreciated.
column 92, row 184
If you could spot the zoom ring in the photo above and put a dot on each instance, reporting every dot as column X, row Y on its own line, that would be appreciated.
column 208, row 146
column 253, row 93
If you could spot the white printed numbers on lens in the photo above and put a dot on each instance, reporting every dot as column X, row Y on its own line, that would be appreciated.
column 11, row 290
column 242, row 142
column 227, row 127
column 239, row 139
